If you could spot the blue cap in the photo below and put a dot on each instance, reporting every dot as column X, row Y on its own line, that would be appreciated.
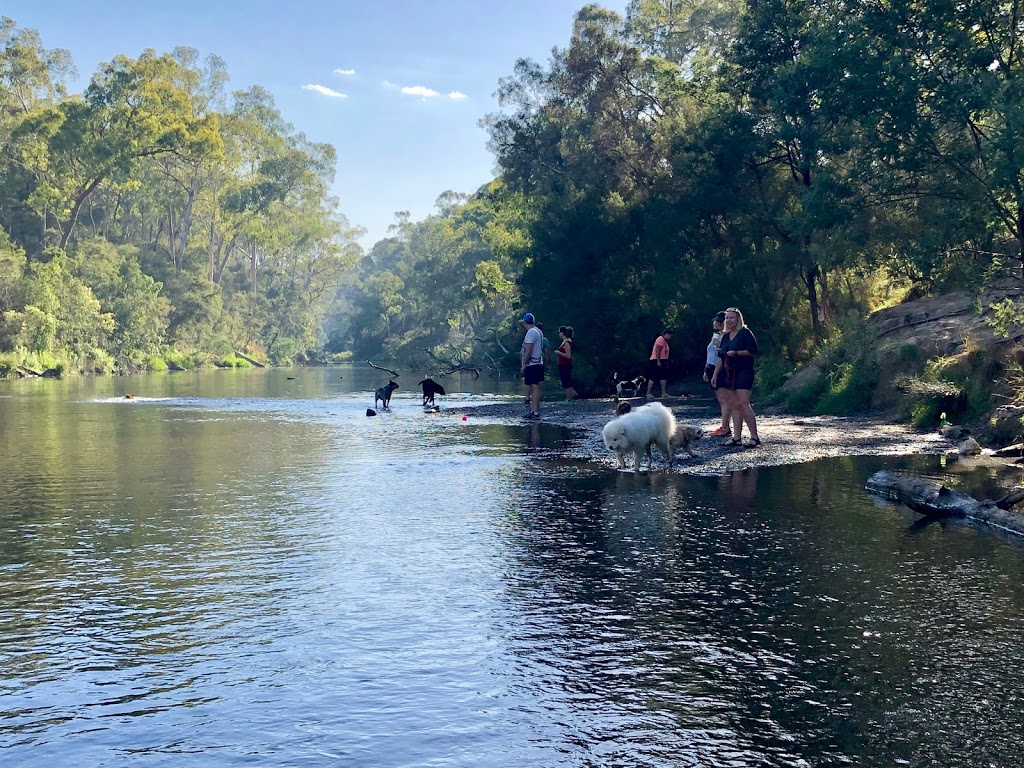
column 528, row 318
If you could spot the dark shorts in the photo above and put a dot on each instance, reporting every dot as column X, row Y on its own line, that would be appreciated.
column 656, row 372
column 730, row 378
column 709, row 371
column 534, row 374
column 565, row 375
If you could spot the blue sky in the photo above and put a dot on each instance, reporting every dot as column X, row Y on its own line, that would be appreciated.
column 397, row 86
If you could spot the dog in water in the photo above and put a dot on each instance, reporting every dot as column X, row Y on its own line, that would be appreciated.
column 430, row 388
column 628, row 387
column 683, row 437
column 384, row 395
column 635, row 432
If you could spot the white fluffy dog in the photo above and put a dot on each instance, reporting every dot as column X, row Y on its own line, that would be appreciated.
column 636, row 431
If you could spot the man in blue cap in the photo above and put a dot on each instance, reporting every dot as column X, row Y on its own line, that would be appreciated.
column 532, row 364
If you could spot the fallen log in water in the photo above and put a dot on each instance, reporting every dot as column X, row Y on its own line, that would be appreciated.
column 936, row 500
column 250, row 360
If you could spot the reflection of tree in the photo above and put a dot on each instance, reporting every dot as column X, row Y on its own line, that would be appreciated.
column 768, row 609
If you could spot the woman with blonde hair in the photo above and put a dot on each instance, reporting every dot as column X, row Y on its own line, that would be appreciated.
column 734, row 372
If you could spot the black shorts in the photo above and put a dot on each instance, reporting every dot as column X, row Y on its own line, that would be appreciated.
column 730, row 378
column 709, row 371
column 565, row 375
column 657, row 372
column 534, row 374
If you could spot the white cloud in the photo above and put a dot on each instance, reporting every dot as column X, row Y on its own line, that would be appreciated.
column 389, row 85
column 420, row 90
column 457, row 95
column 324, row 90
column 344, row 71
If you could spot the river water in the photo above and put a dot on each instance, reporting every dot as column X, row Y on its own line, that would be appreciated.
column 241, row 568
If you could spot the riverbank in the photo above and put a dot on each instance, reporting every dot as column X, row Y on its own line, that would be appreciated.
column 785, row 439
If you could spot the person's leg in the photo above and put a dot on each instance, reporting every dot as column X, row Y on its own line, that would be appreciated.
column 535, row 398
column 731, row 408
column 736, row 411
column 664, row 388
column 723, row 404
column 650, row 386
column 747, row 412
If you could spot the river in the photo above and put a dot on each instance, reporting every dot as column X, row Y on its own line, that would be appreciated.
column 241, row 568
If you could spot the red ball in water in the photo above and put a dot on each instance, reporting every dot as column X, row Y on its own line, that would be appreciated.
column 464, row 418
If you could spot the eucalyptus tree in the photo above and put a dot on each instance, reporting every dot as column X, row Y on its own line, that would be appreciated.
column 945, row 115
column 131, row 110
column 588, row 140
column 32, row 80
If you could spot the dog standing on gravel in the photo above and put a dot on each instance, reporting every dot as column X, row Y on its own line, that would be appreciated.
column 635, row 432
column 384, row 395
column 683, row 437
column 629, row 387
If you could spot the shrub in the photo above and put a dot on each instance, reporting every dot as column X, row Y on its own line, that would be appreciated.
column 850, row 388
column 805, row 399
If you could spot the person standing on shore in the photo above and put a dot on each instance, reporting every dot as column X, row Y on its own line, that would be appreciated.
column 532, row 364
column 718, row 324
column 657, row 366
column 564, row 354
column 734, row 372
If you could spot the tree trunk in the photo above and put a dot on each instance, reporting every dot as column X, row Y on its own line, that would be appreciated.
column 186, row 226
column 936, row 500
column 76, row 210
column 810, row 281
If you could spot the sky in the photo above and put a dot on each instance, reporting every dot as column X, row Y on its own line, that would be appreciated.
column 397, row 86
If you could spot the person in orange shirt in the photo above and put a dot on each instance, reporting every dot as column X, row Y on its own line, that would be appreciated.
column 657, row 366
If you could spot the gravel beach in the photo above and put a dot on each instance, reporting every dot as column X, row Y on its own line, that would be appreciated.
column 785, row 439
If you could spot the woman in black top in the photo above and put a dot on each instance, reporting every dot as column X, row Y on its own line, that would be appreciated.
column 734, row 373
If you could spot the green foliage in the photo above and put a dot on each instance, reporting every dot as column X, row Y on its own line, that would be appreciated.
column 187, row 361
column 1004, row 315
column 234, row 361
column 850, row 388
column 658, row 168
column 133, row 215
column 806, row 399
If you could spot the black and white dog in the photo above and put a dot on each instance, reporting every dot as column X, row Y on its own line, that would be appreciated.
column 384, row 395
column 431, row 388
column 629, row 387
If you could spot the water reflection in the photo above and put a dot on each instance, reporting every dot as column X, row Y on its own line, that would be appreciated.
column 256, row 568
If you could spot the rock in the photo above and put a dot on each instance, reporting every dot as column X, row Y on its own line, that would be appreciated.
column 969, row 447
column 955, row 432
column 370, row 412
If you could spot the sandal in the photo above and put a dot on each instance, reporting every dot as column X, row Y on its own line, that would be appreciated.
column 754, row 442
column 732, row 442
column 720, row 432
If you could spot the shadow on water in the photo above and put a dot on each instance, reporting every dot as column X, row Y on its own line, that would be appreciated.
column 238, row 565
column 771, row 617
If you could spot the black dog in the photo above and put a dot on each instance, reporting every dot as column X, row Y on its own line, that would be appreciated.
column 630, row 388
column 431, row 388
column 384, row 394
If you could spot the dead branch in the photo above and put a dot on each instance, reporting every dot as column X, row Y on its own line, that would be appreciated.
column 476, row 371
column 380, row 368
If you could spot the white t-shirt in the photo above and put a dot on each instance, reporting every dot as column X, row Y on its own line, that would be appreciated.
column 537, row 352
column 716, row 340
